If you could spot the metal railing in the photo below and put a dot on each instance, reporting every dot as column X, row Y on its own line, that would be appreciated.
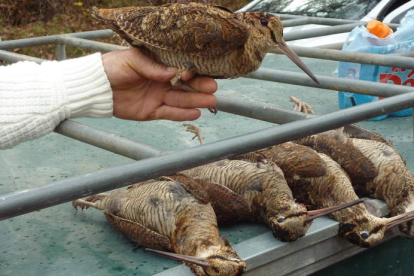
column 156, row 162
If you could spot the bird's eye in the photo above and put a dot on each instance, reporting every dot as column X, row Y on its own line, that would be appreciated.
column 280, row 220
column 263, row 21
column 364, row 235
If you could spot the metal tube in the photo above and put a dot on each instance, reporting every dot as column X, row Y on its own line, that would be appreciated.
column 331, row 83
column 61, row 191
column 264, row 112
column 354, row 57
column 13, row 57
column 295, row 22
column 60, row 51
column 107, row 140
column 326, row 21
column 90, row 44
column 321, row 31
column 52, row 39
column 333, row 46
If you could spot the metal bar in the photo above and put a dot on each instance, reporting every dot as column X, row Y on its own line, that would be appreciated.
column 61, row 51
column 90, row 44
column 331, row 83
column 107, row 140
column 13, row 57
column 52, row 39
column 333, row 46
column 354, row 57
column 326, row 20
column 295, row 22
column 264, row 112
column 61, row 191
column 321, row 31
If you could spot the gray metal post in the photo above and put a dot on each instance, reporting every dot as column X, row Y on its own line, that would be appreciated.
column 13, row 57
column 295, row 22
column 60, row 51
column 331, row 83
column 354, row 57
column 107, row 140
column 321, row 31
column 264, row 112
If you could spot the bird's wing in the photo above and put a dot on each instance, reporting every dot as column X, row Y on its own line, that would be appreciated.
column 192, row 29
column 139, row 233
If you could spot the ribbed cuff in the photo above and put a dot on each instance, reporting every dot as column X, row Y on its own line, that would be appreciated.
column 86, row 90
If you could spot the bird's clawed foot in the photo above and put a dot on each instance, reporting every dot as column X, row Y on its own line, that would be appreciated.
column 195, row 130
column 88, row 202
column 301, row 106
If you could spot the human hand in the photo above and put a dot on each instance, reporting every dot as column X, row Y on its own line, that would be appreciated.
column 142, row 90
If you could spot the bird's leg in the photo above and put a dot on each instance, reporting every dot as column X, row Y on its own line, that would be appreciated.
column 83, row 204
column 178, row 83
column 193, row 129
column 88, row 202
column 301, row 106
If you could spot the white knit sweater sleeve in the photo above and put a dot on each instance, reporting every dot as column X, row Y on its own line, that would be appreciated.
column 35, row 98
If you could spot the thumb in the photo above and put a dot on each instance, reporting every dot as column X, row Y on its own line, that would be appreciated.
column 149, row 68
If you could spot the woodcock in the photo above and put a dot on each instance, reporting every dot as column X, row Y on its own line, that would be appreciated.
column 265, row 190
column 319, row 182
column 393, row 183
column 162, row 215
column 389, row 179
column 208, row 40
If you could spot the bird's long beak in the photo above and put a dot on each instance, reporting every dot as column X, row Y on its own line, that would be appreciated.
column 183, row 258
column 284, row 48
column 325, row 211
column 391, row 222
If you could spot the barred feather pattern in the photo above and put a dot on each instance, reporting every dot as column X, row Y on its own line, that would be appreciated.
column 265, row 189
column 339, row 147
column 394, row 182
column 209, row 40
column 336, row 188
column 166, row 208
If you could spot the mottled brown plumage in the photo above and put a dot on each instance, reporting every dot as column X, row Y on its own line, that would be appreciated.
column 163, row 215
column 331, row 189
column 336, row 144
column 233, row 5
column 394, row 182
column 328, row 190
column 266, row 191
column 209, row 40
column 228, row 206
column 376, row 169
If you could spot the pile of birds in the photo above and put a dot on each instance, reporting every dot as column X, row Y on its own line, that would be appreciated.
column 285, row 186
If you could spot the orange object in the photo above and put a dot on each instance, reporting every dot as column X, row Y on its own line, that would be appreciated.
column 378, row 28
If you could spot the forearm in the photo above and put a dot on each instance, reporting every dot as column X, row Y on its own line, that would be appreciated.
column 34, row 98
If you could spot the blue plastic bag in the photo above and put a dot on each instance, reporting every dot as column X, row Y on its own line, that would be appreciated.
column 363, row 41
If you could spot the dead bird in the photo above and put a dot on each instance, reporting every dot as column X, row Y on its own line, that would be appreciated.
column 208, row 40
column 332, row 188
column 162, row 215
column 337, row 144
column 390, row 179
column 228, row 205
column 394, row 182
column 266, row 191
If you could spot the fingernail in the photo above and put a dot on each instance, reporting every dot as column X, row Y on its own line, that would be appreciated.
column 172, row 69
